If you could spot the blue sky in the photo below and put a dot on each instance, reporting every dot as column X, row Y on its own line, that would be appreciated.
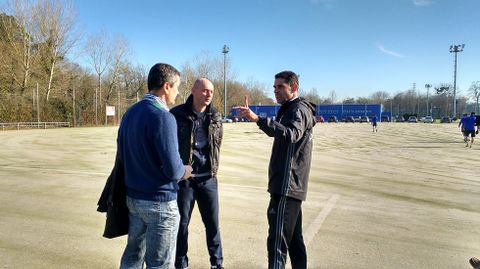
column 355, row 47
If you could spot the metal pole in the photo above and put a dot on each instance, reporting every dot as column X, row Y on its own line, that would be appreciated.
column 38, row 107
column 119, row 108
column 74, row 113
column 391, row 109
column 224, row 85
column 225, row 51
column 33, row 104
column 186, row 89
column 455, row 49
column 96, row 106
column 428, row 90
column 100, row 104
column 455, row 87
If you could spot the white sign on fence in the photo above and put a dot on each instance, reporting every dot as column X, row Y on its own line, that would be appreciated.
column 110, row 110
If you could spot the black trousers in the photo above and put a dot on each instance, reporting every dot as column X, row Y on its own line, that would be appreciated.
column 285, row 233
column 205, row 193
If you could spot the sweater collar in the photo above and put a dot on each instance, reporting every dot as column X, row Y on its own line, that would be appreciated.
column 156, row 101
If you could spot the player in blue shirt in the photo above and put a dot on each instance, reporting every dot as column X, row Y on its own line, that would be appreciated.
column 461, row 125
column 469, row 128
column 374, row 124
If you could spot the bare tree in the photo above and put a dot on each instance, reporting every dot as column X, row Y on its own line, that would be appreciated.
column 119, row 51
column 349, row 100
column 134, row 81
column 313, row 96
column 363, row 100
column 20, row 34
column 332, row 97
column 446, row 90
column 257, row 92
column 188, row 78
column 209, row 66
column 56, row 23
column 99, row 56
column 474, row 92
column 380, row 97
column 204, row 64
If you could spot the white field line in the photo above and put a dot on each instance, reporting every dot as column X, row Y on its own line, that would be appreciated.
column 315, row 226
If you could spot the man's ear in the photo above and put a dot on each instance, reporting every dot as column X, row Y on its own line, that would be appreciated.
column 166, row 87
column 294, row 87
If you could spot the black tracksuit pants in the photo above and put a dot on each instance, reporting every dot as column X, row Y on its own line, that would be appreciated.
column 205, row 192
column 285, row 233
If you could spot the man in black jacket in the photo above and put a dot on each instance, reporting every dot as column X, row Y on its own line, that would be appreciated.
column 288, row 171
column 199, row 137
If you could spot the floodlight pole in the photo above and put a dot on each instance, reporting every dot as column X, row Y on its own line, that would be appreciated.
column 455, row 49
column 428, row 86
column 226, row 49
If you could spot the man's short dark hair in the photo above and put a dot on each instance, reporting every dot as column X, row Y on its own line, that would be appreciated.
column 289, row 77
column 473, row 113
column 160, row 74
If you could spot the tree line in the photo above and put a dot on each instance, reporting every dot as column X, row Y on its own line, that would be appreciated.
column 42, row 78
column 435, row 100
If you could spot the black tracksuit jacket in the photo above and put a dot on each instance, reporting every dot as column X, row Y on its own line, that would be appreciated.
column 291, row 156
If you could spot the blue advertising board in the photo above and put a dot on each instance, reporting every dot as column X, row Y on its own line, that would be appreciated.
column 267, row 111
column 355, row 110
column 326, row 111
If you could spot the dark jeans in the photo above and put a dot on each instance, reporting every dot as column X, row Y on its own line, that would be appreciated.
column 285, row 233
column 205, row 192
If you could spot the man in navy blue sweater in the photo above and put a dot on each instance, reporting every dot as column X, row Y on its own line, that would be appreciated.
column 148, row 148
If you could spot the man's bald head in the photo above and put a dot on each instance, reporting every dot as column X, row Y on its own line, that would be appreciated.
column 202, row 83
column 202, row 92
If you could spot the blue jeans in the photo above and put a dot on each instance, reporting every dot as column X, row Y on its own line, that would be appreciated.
column 152, row 234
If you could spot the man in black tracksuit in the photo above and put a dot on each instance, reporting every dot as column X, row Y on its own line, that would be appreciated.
column 199, row 137
column 288, row 171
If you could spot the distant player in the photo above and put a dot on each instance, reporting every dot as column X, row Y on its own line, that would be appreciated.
column 469, row 127
column 374, row 124
column 461, row 124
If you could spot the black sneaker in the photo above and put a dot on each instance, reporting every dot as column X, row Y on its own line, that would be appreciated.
column 475, row 263
column 218, row 266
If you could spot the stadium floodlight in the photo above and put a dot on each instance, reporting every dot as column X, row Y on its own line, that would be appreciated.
column 225, row 50
column 455, row 49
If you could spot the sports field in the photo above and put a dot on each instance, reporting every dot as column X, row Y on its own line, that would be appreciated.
column 405, row 197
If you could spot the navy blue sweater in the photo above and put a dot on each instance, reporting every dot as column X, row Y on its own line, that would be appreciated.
column 148, row 147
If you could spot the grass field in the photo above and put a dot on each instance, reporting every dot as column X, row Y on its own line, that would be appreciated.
column 405, row 197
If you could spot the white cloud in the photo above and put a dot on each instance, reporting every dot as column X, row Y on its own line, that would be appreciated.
column 390, row 52
column 423, row 3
